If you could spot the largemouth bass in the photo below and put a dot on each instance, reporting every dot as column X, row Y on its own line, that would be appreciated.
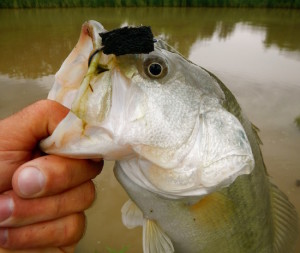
column 185, row 153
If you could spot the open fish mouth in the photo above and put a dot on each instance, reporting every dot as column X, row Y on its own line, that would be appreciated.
column 157, row 114
column 73, row 70
column 84, row 84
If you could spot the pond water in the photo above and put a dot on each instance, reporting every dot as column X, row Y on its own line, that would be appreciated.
column 255, row 52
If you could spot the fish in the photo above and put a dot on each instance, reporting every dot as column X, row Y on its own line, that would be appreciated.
column 184, row 151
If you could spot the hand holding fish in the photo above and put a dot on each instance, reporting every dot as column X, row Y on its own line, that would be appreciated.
column 42, row 198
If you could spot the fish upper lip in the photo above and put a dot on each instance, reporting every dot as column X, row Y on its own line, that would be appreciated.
column 92, row 28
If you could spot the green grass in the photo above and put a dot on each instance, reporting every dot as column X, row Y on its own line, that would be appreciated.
column 158, row 3
column 123, row 250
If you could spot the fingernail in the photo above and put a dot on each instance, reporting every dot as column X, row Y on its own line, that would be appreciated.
column 3, row 236
column 6, row 207
column 31, row 181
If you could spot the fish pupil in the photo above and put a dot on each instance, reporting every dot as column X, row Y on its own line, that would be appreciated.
column 155, row 69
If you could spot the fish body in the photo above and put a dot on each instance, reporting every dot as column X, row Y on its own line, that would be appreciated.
column 185, row 153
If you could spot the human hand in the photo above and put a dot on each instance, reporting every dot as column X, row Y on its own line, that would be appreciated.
column 42, row 198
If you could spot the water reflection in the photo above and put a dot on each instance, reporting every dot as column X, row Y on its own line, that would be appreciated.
column 243, row 53
column 18, row 93
column 35, row 42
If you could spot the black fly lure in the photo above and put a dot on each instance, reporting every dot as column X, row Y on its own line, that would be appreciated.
column 128, row 40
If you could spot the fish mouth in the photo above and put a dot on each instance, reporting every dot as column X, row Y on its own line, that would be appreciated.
column 69, row 77
column 111, row 117
column 84, row 84
column 84, row 77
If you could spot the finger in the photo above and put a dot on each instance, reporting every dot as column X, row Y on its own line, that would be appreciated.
column 69, row 249
column 58, row 233
column 22, row 212
column 48, row 175
column 22, row 131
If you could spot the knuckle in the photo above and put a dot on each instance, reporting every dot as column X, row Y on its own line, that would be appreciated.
column 70, row 174
column 64, row 232
column 66, row 175
column 42, row 103
column 60, row 205
column 42, row 106
column 4, row 241
column 74, row 229
column 13, row 240
column 58, row 173
column 90, row 194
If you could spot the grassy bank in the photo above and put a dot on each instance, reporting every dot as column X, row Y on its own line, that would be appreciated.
column 152, row 3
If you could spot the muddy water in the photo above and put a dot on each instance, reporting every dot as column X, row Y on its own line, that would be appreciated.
column 255, row 52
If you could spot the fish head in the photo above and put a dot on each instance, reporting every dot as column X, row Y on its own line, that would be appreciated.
column 158, row 109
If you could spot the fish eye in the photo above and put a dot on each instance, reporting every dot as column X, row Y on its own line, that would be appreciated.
column 155, row 67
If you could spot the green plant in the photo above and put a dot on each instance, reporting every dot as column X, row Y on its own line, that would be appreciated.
column 123, row 250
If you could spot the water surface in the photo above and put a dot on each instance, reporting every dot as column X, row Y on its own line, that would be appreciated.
column 255, row 52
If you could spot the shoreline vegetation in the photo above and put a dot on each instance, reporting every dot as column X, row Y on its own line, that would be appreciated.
column 150, row 3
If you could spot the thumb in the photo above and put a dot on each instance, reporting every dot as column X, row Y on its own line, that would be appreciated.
column 23, row 130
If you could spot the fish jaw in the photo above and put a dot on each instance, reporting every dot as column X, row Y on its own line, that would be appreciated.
column 85, row 133
column 94, row 126
column 74, row 68
column 74, row 138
